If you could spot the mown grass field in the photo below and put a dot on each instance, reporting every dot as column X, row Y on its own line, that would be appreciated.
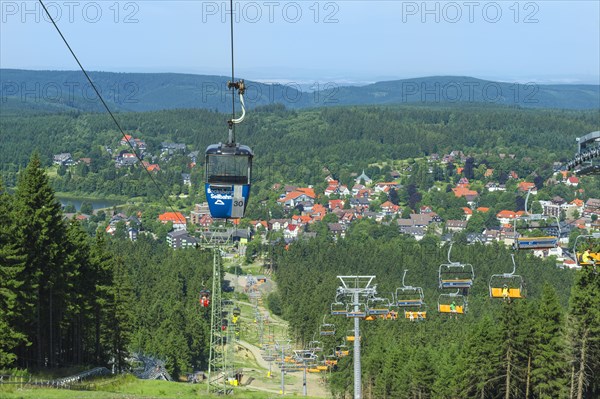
column 128, row 388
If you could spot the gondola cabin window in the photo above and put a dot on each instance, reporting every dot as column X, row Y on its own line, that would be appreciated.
column 228, row 169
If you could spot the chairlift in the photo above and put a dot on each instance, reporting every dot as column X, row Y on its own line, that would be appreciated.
column 326, row 329
column 409, row 296
column 338, row 309
column 204, row 298
column 323, row 367
column 445, row 302
column 378, row 306
column 391, row 315
column 331, row 360
column 359, row 310
column 507, row 285
column 315, row 345
column 341, row 351
column 350, row 336
column 455, row 274
column 416, row 314
column 586, row 256
column 549, row 242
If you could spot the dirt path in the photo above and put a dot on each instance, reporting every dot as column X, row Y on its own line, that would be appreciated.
column 258, row 377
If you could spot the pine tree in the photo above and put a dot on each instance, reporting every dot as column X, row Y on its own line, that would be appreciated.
column 12, row 263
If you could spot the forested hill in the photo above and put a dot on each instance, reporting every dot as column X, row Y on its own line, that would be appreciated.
column 59, row 91
column 295, row 145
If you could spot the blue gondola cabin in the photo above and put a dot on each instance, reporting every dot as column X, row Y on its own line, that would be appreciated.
column 228, row 174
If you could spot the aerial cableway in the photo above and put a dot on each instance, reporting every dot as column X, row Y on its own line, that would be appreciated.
column 507, row 285
column 587, row 159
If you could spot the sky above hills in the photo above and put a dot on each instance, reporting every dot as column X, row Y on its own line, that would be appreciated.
column 313, row 42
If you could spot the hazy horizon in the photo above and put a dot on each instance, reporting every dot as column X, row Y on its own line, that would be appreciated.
column 342, row 81
column 355, row 41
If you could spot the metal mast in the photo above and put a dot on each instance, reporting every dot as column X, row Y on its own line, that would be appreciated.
column 357, row 289
column 220, row 361
column 282, row 346
column 217, row 363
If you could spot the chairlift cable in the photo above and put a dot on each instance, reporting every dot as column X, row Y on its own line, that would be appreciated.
column 162, row 193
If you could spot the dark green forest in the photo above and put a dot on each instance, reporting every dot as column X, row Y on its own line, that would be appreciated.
column 68, row 299
column 71, row 300
column 293, row 146
column 540, row 347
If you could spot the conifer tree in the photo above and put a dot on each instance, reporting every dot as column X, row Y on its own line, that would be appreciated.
column 119, row 314
column 481, row 361
column 584, row 322
column 549, row 360
column 12, row 262
column 42, row 233
column 81, row 280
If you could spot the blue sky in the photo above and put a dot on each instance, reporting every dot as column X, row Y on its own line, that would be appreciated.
column 313, row 41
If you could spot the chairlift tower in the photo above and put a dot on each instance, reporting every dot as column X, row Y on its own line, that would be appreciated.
column 220, row 360
column 281, row 347
column 305, row 357
column 256, row 300
column 217, row 363
column 357, row 290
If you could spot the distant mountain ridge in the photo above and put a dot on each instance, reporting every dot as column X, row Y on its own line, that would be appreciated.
column 24, row 91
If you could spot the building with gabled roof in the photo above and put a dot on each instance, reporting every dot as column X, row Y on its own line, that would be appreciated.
column 363, row 177
column 297, row 196
column 336, row 204
column 525, row 186
column 386, row 186
column 461, row 191
column 572, row 181
column 179, row 221
column 506, row 216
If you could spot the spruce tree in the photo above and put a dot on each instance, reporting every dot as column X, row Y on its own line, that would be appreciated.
column 481, row 361
column 80, row 289
column 12, row 263
column 120, row 314
column 584, row 322
column 100, row 301
column 549, row 360
column 41, row 233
